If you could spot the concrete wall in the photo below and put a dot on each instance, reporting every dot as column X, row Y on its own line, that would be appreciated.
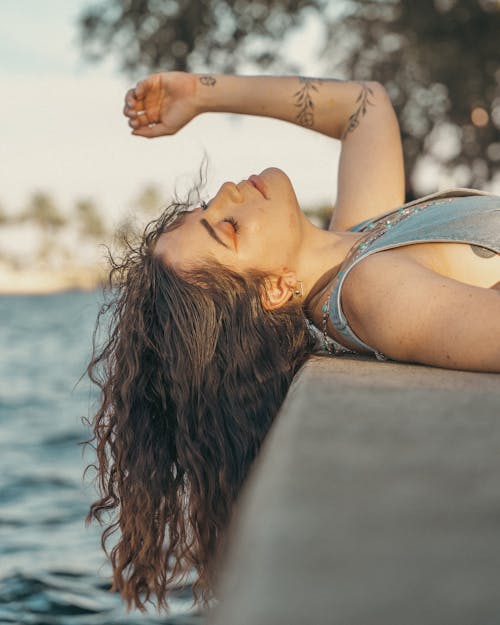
column 375, row 500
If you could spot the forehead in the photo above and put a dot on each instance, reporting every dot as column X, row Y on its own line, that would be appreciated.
column 182, row 246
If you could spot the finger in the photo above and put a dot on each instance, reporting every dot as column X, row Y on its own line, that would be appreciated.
column 130, row 97
column 141, row 88
column 154, row 130
column 134, row 122
column 133, row 104
column 129, row 112
column 140, row 120
column 143, row 118
column 136, row 112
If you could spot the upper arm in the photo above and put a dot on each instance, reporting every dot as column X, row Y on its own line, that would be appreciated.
column 371, row 171
column 411, row 313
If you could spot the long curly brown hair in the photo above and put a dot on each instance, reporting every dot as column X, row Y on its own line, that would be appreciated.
column 192, row 371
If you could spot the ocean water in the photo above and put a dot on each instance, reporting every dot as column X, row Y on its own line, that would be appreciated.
column 52, row 568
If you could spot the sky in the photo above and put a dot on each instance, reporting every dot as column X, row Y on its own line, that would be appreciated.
column 63, row 131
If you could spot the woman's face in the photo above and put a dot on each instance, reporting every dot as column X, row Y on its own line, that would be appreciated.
column 255, row 224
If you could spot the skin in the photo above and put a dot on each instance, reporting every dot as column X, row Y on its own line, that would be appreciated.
column 262, row 230
column 432, row 303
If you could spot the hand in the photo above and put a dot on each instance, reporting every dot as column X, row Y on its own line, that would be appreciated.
column 161, row 104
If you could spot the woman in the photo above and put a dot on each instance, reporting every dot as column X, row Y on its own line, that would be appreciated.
column 219, row 306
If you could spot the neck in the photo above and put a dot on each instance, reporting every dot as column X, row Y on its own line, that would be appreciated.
column 321, row 252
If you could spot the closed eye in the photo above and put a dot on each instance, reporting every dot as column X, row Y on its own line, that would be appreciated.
column 234, row 223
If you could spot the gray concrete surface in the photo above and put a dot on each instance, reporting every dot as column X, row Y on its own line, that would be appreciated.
column 375, row 500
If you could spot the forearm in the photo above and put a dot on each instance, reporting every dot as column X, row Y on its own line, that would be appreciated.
column 331, row 107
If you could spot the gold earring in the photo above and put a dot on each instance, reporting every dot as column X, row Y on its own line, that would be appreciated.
column 299, row 289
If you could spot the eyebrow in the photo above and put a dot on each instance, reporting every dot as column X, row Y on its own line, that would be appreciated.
column 212, row 232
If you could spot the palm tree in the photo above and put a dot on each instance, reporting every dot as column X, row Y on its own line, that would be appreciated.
column 43, row 212
column 89, row 219
column 150, row 200
column 4, row 218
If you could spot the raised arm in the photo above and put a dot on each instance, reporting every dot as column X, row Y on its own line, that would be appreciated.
column 360, row 115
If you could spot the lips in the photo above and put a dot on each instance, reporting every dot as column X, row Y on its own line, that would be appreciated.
column 258, row 183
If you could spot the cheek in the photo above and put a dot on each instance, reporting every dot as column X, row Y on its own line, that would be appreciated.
column 268, row 235
column 271, row 249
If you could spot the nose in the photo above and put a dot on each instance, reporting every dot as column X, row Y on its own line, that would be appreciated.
column 228, row 191
column 231, row 191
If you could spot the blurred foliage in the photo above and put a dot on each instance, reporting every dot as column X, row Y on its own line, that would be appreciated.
column 43, row 212
column 320, row 214
column 4, row 218
column 90, row 221
column 150, row 200
column 440, row 62
column 128, row 230
column 151, row 35
column 56, row 228
column 439, row 59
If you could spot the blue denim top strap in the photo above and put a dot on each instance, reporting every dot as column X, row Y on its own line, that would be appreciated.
column 458, row 215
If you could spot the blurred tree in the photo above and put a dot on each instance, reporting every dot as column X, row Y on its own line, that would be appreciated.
column 151, row 35
column 320, row 214
column 4, row 218
column 126, row 233
column 440, row 62
column 150, row 200
column 43, row 212
column 438, row 59
column 90, row 222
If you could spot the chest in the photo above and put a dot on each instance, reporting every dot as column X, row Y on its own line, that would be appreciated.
column 466, row 263
column 458, row 261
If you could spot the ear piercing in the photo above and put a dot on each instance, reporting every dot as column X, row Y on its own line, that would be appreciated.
column 299, row 289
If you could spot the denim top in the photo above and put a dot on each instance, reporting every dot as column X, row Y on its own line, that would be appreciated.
column 457, row 215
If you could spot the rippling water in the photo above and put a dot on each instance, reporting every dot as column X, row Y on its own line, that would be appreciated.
column 52, row 569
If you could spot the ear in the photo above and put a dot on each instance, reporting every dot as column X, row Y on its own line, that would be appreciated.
column 278, row 290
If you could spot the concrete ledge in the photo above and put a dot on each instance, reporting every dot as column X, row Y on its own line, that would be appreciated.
column 375, row 500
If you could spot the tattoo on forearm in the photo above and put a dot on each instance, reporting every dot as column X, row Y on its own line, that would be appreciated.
column 483, row 252
column 304, row 102
column 363, row 101
column 208, row 81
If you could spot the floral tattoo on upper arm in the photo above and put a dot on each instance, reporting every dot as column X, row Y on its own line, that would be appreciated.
column 363, row 101
column 304, row 102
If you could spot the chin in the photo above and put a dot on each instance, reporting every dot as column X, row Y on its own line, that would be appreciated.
column 272, row 172
column 275, row 177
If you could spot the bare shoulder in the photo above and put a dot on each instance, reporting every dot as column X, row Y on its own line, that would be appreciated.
column 411, row 313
